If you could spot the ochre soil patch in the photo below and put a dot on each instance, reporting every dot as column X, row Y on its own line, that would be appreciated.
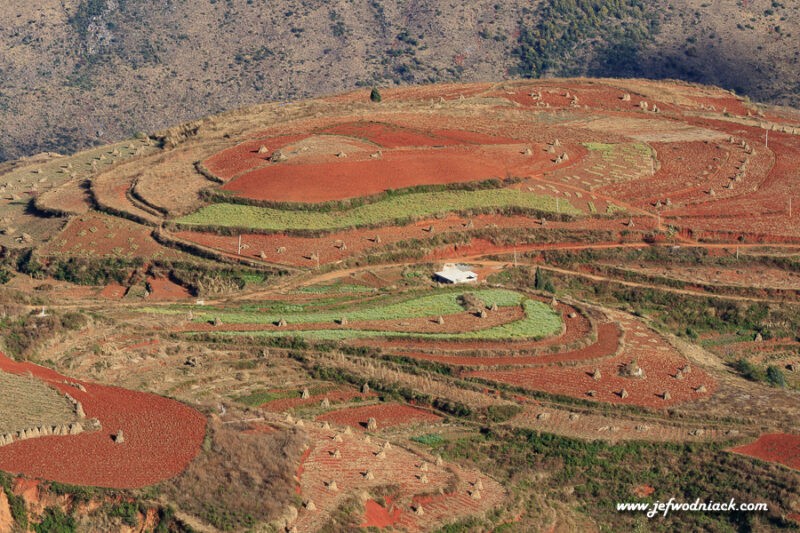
column 161, row 437
column 779, row 448
column 385, row 414
column 70, row 197
column 659, row 360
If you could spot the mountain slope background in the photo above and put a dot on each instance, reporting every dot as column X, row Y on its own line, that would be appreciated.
column 74, row 73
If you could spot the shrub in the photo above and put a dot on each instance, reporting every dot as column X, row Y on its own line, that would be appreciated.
column 55, row 521
column 127, row 511
column 375, row 95
column 775, row 376
column 747, row 370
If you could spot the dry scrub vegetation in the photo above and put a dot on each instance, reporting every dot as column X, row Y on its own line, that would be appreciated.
column 239, row 478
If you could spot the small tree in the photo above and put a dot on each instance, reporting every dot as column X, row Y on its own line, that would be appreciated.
column 375, row 95
column 747, row 370
column 775, row 376
column 542, row 281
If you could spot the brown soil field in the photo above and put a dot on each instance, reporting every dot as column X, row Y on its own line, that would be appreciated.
column 397, row 466
column 390, row 135
column 70, row 197
column 100, row 235
column 297, row 251
column 745, row 276
column 386, row 415
column 333, row 396
column 611, row 428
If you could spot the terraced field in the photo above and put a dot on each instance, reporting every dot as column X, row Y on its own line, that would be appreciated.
column 273, row 272
column 610, row 163
column 391, row 210
column 538, row 320
column 35, row 404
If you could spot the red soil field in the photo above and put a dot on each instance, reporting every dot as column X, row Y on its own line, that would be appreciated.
column 774, row 447
column 385, row 414
column 388, row 135
column 114, row 291
column 654, row 355
column 729, row 104
column 164, row 289
column 243, row 157
column 339, row 179
column 376, row 515
column 396, row 136
column 608, row 340
column 161, row 437
column 762, row 213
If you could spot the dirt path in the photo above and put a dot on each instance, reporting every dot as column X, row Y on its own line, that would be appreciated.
column 308, row 279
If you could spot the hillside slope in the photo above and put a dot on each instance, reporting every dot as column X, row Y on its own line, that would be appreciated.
column 81, row 72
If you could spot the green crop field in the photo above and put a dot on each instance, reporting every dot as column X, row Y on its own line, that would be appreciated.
column 540, row 321
column 444, row 303
column 382, row 212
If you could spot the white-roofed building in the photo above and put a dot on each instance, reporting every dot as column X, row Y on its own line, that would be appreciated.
column 456, row 274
